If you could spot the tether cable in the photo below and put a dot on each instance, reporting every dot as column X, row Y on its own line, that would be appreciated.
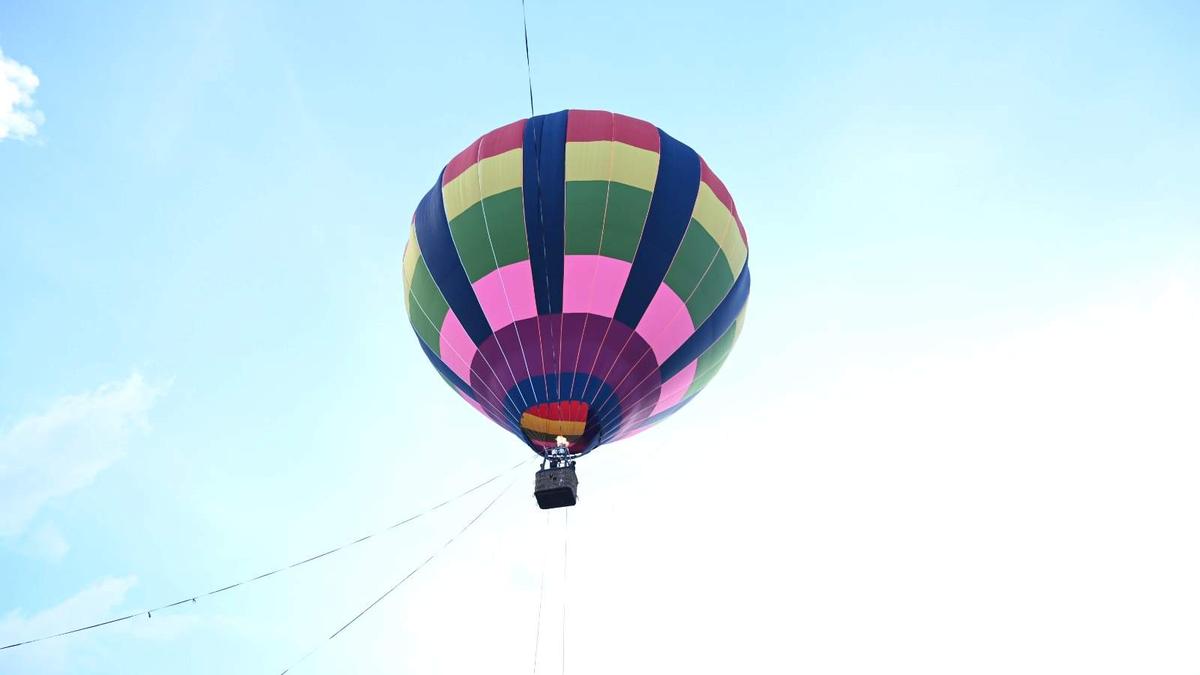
column 403, row 579
column 528, row 67
column 191, row 599
column 566, row 522
column 537, row 634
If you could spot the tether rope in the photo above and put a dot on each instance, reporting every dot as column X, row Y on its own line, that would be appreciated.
column 566, row 522
column 191, row 599
column 537, row 635
column 528, row 67
column 402, row 580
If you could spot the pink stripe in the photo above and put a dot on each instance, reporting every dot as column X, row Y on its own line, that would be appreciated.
column 456, row 347
column 673, row 390
column 490, row 144
column 593, row 283
column 666, row 323
column 510, row 286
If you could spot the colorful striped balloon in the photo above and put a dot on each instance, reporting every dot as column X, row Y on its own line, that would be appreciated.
column 577, row 277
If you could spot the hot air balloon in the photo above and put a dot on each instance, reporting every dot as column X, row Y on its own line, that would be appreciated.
column 577, row 277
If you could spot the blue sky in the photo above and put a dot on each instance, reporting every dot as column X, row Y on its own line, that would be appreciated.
column 969, row 359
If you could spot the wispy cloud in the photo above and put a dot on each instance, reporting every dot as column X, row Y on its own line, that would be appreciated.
column 45, row 543
column 97, row 600
column 56, row 452
column 101, row 600
column 1028, row 497
column 19, row 117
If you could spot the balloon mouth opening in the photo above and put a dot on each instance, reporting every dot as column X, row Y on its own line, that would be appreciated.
column 558, row 424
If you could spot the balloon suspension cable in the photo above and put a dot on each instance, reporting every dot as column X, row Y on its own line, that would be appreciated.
column 399, row 583
column 191, row 599
column 566, row 523
column 537, row 631
column 528, row 66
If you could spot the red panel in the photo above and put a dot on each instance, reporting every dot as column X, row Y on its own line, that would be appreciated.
column 636, row 132
column 710, row 179
column 507, row 137
column 567, row 411
column 461, row 162
column 589, row 125
column 597, row 125
column 493, row 143
column 740, row 228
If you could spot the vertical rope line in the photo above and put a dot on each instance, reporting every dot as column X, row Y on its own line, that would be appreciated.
column 528, row 67
column 406, row 577
column 537, row 169
column 537, row 635
column 566, row 523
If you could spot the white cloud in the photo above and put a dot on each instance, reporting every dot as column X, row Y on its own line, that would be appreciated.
column 1026, row 503
column 102, row 600
column 90, row 604
column 61, row 450
column 1022, row 504
column 45, row 543
column 98, row 600
column 19, row 118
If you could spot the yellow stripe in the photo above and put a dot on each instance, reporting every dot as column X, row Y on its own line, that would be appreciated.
column 554, row 427
column 612, row 160
column 734, row 248
column 412, row 253
column 496, row 174
column 721, row 226
column 711, row 213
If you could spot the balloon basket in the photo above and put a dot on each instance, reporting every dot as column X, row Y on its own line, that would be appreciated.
column 555, row 487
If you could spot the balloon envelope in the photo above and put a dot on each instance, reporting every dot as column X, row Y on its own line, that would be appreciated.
column 577, row 276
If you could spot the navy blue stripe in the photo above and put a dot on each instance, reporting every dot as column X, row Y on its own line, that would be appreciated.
column 712, row 329
column 544, row 179
column 441, row 257
column 671, row 208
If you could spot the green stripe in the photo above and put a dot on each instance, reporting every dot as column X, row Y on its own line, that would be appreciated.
column 424, row 299
column 694, row 274
column 711, row 291
column 506, row 223
column 619, row 222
